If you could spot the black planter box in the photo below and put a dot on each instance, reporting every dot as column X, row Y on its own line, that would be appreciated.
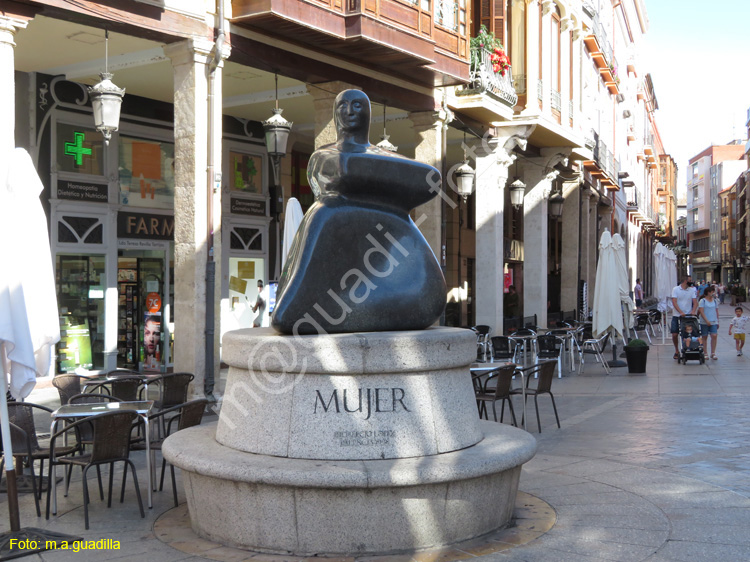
column 636, row 358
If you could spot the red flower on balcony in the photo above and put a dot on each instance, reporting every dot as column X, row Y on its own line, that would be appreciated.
column 500, row 61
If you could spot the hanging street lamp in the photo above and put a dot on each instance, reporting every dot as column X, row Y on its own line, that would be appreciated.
column 106, row 99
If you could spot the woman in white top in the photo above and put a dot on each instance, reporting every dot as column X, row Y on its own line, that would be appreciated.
column 708, row 312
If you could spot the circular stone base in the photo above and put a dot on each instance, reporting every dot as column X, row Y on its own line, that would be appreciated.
column 532, row 517
column 314, row 507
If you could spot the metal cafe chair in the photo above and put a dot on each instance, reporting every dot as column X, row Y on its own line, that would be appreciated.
column 544, row 373
column 641, row 322
column 491, row 386
column 186, row 415
column 110, row 444
column 551, row 347
column 483, row 337
column 26, row 443
column 594, row 347
column 502, row 348
column 67, row 385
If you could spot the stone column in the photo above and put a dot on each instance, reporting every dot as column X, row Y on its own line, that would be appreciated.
column 8, row 28
column 538, row 178
column 571, row 243
column 588, row 244
column 492, row 158
column 535, row 242
column 429, row 128
column 323, row 97
column 190, row 60
column 491, row 176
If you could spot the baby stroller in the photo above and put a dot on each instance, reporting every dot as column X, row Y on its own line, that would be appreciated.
column 694, row 351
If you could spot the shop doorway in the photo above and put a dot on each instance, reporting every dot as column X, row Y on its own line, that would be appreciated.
column 237, row 311
column 144, row 312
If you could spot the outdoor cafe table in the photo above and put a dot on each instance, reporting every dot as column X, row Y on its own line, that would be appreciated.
column 78, row 411
column 481, row 368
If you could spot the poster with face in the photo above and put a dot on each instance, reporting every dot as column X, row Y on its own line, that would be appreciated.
column 151, row 350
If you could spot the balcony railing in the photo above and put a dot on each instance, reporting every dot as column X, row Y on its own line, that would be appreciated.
column 601, row 37
column 485, row 80
column 556, row 101
column 540, row 89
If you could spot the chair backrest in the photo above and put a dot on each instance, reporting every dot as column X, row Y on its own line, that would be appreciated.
column 191, row 413
column 111, row 435
column 641, row 321
column 549, row 345
column 524, row 332
column 546, row 374
column 91, row 398
column 530, row 322
column 482, row 329
column 125, row 388
column 569, row 317
column 654, row 316
column 174, row 389
column 22, row 415
column 501, row 347
column 503, row 378
column 67, row 386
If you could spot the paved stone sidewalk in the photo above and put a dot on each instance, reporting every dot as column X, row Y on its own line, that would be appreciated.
column 652, row 467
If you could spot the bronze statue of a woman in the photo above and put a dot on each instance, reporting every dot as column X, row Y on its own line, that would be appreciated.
column 358, row 262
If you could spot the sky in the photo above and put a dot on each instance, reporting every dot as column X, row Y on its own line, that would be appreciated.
column 698, row 54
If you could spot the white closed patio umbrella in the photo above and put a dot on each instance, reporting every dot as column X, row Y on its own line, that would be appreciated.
column 292, row 220
column 29, row 323
column 662, row 282
column 608, row 293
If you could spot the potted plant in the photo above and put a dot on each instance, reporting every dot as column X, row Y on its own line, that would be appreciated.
column 636, row 353
column 486, row 40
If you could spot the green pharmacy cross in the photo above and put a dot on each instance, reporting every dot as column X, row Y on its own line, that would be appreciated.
column 76, row 149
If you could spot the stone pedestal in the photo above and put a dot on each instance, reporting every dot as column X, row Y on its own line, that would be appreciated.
column 348, row 444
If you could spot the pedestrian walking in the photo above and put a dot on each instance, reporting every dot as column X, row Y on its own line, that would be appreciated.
column 684, row 303
column 738, row 327
column 638, row 293
column 720, row 289
column 708, row 312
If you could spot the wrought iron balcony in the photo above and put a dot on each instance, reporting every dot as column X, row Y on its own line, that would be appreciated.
column 485, row 81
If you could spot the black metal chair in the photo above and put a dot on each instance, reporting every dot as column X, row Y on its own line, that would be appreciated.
column 23, row 449
column 21, row 414
column 111, row 444
column 124, row 387
column 654, row 320
column 502, row 347
column 641, row 322
column 595, row 347
column 67, row 385
column 186, row 415
column 483, row 337
column 543, row 374
column 491, row 386
column 550, row 347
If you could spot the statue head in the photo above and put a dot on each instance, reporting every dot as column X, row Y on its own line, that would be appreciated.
column 351, row 113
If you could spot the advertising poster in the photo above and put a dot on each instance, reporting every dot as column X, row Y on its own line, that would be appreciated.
column 151, row 348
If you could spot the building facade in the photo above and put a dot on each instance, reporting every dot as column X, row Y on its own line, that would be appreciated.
column 177, row 218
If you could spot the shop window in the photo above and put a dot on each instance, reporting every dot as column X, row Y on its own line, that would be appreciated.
column 246, row 239
column 79, row 150
column 81, row 285
column 245, row 173
column 146, row 169
column 74, row 230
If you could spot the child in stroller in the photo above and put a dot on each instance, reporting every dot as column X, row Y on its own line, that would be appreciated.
column 691, row 341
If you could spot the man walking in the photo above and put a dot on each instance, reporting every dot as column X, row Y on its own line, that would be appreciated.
column 684, row 302
column 638, row 293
